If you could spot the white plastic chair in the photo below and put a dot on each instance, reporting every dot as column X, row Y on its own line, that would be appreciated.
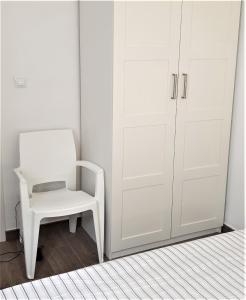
column 50, row 156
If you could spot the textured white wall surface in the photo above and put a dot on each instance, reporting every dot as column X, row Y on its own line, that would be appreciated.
column 234, row 214
column 40, row 43
column 2, row 216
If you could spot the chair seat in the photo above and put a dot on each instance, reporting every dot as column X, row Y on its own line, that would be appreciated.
column 59, row 200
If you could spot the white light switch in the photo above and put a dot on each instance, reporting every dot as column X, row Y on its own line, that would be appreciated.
column 20, row 82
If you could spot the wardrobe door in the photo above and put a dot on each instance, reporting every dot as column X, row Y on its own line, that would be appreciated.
column 209, row 37
column 146, row 46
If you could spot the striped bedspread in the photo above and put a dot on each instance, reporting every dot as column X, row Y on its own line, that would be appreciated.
column 210, row 268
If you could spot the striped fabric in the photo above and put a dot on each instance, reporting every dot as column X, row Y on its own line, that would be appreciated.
column 208, row 268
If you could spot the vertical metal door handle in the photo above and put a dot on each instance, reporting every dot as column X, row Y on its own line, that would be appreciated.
column 184, row 95
column 175, row 86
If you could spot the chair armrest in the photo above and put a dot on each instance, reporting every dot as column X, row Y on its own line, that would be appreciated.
column 99, row 186
column 20, row 176
column 23, row 189
column 88, row 165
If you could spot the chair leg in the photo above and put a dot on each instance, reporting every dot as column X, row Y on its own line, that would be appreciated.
column 73, row 223
column 81, row 215
column 97, row 232
column 30, row 246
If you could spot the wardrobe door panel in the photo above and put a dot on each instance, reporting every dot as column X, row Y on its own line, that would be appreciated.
column 208, row 48
column 146, row 46
column 147, row 220
column 141, row 79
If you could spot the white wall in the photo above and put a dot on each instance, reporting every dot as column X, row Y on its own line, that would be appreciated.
column 2, row 217
column 234, row 215
column 96, row 32
column 40, row 43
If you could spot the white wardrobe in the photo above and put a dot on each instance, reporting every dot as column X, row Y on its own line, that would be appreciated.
column 157, row 81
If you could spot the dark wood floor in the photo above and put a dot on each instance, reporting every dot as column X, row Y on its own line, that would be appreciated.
column 62, row 252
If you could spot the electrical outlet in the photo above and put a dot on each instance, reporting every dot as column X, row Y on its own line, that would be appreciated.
column 20, row 82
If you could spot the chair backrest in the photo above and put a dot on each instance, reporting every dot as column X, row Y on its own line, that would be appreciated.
column 48, row 156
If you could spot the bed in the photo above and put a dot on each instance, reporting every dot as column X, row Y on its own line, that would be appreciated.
column 211, row 268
